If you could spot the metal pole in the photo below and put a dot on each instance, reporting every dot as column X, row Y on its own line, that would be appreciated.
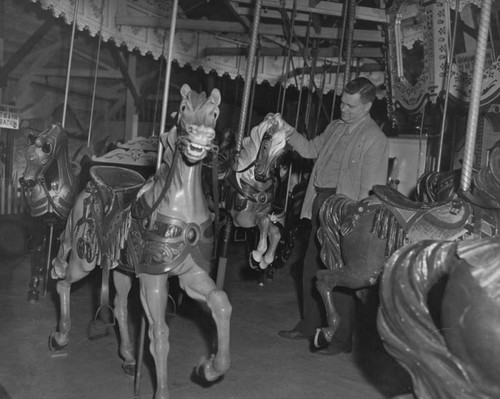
column 95, row 74
column 70, row 58
column 288, row 56
column 477, row 78
column 167, row 79
column 451, row 53
column 350, row 36
column 339, row 58
column 248, row 74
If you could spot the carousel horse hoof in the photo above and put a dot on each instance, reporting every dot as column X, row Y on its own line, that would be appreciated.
column 128, row 369
column 54, row 346
column 320, row 340
column 204, row 374
column 253, row 263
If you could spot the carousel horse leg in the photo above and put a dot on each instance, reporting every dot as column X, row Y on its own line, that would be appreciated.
column 256, row 255
column 123, row 283
column 274, row 236
column 75, row 272
column 37, row 271
column 326, row 281
column 154, row 298
column 199, row 286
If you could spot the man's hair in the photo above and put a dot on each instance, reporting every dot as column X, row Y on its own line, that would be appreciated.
column 364, row 87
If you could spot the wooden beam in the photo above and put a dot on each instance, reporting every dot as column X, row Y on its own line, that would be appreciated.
column 319, row 69
column 129, row 82
column 325, row 8
column 59, row 85
column 374, row 36
column 23, row 51
column 76, row 73
column 358, row 52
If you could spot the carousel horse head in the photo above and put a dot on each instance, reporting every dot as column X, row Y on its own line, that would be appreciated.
column 196, row 123
column 262, row 149
column 49, row 181
column 450, row 342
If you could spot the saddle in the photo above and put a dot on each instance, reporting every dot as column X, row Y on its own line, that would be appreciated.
column 247, row 192
column 112, row 191
column 445, row 220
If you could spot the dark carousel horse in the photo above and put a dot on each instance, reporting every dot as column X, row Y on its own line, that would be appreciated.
column 358, row 237
column 168, row 229
column 251, row 188
column 49, row 184
column 454, row 352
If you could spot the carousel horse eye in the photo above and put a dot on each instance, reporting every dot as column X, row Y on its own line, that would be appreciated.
column 46, row 148
column 31, row 139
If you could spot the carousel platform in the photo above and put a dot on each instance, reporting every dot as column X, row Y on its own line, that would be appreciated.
column 264, row 365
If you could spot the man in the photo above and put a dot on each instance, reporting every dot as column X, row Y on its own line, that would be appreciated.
column 352, row 155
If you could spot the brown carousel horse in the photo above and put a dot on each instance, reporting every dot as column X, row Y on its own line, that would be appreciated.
column 49, row 184
column 251, row 187
column 454, row 352
column 358, row 237
column 169, row 232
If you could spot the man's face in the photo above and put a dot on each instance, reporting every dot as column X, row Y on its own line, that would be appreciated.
column 351, row 108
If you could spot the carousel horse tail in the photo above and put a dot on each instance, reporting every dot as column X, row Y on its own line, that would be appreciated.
column 406, row 325
column 334, row 221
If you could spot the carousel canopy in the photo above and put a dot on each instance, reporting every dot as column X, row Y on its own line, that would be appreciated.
column 214, row 35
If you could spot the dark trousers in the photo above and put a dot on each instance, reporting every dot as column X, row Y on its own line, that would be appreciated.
column 313, row 308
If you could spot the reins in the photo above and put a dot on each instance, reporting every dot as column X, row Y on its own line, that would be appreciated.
column 265, row 137
column 158, row 201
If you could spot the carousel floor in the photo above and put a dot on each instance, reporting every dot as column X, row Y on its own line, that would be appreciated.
column 264, row 366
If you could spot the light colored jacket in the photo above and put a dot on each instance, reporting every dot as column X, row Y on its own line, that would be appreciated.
column 364, row 164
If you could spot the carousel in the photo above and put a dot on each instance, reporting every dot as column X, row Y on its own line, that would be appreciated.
column 150, row 202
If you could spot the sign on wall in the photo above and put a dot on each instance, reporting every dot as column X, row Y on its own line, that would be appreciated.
column 9, row 117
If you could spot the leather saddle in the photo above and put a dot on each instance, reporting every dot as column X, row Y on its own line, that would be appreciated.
column 444, row 220
column 112, row 191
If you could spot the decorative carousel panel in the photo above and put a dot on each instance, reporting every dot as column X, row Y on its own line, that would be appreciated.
column 465, row 55
column 415, row 45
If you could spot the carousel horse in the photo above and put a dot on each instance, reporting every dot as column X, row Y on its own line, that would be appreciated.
column 167, row 228
column 49, row 183
column 251, row 187
column 454, row 351
column 358, row 237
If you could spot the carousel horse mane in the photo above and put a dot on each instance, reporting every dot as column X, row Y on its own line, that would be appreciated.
column 409, row 331
column 333, row 216
column 251, row 144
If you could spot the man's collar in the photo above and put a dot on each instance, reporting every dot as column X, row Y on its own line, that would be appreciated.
column 354, row 124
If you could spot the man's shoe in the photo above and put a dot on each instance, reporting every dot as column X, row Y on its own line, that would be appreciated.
column 335, row 348
column 292, row 334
